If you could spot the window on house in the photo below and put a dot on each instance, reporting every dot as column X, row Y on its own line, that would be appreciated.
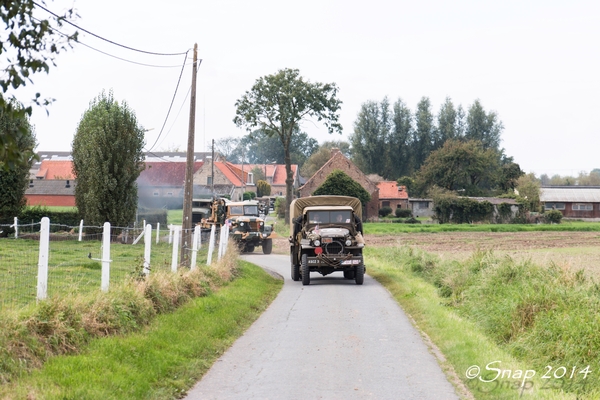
column 385, row 204
column 583, row 207
column 209, row 180
column 250, row 178
column 421, row 205
column 554, row 206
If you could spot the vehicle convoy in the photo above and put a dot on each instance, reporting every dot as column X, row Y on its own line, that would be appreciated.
column 246, row 228
column 326, row 237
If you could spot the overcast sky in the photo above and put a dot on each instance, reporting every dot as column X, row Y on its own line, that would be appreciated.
column 535, row 63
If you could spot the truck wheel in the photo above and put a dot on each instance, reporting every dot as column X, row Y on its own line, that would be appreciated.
column 267, row 246
column 359, row 274
column 349, row 274
column 295, row 272
column 305, row 270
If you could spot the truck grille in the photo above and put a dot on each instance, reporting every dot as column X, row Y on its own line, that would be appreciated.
column 334, row 248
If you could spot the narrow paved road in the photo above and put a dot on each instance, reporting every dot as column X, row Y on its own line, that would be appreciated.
column 332, row 339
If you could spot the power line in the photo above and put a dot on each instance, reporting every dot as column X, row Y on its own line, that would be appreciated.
column 107, row 40
column 172, row 101
column 111, row 55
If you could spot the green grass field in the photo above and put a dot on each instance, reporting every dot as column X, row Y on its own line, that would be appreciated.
column 71, row 270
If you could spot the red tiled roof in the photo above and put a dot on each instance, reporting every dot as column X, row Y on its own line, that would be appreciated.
column 230, row 171
column 165, row 173
column 391, row 190
column 55, row 169
column 274, row 171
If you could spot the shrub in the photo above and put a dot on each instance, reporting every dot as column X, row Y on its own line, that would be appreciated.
column 280, row 207
column 385, row 211
column 403, row 212
column 249, row 195
column 553, row 217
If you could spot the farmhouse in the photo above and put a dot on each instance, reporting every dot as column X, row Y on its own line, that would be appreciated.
column 581, row 202
column 391, row 195
column 339, row 161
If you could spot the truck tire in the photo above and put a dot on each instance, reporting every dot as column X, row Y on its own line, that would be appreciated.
column 305, row 270
column 359, row 274
column 295, row 272
column 267, row 246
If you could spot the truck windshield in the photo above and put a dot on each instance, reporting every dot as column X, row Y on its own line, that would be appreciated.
column 251, row 210
column 327, row 217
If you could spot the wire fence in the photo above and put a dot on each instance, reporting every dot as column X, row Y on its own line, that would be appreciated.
column 75, row 262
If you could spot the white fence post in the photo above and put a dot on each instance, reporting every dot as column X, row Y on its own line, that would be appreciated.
column 174, row 260
column 80, row 230
column 195, row 241
column 170, row 234
column 42, row 283
column 105, row 281
column 223, row 237
column 211, row 245
column 147, row 248
column 16, row 227
column 157, row 232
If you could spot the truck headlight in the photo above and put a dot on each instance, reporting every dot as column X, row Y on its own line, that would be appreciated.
column 348, row 242
column 317, row 243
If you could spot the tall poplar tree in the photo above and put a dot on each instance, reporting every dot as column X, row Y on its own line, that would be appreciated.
column 107, row 159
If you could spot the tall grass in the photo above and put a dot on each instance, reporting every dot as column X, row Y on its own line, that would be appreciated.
column 161, row 360
column 65, row 324
column 545, row 317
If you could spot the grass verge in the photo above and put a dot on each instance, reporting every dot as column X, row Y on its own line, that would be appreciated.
column 521, row 328
column 156, row 357
column 565, row 226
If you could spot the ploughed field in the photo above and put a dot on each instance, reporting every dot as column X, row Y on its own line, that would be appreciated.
column 574, row 250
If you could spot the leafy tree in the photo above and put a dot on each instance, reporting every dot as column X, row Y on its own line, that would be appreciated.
column 277, row 103
column 259, row 174
column 321, row 156
column 423, row 134
column 259, row 147
column 483, row 127
column 508, row 174
column 107, row 160
column 528, row 189
column 14, row 179
column 263, row 188
column 228, row 147
column 459, row 166
column 368, row 141
column 340, row 184
column 28, row 45
column 399, row 145
column 448, row 123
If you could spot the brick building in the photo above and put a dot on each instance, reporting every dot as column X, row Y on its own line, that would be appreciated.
column 339, row 161
column 391, row 195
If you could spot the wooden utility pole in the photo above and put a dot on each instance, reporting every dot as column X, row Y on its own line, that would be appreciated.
column 188, row 191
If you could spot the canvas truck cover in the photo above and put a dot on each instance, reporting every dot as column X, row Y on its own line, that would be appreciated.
column 298, row 205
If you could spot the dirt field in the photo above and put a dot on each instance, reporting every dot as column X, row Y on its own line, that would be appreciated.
column 575, row 250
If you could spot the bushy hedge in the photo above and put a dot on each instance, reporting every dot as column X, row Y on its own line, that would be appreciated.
column 462, row 210
column 385, row 211
column 35, row 215
column 403, row 212
column 553, row 217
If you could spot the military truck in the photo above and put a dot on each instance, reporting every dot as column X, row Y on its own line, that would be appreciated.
column 245, row 226
column 326, row 237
